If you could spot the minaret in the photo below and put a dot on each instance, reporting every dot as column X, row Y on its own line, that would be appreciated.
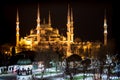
column 38, row 25
column 49, row 20
column 71, row 28
column 68, row 33
column 17, row 30
column 105, row 29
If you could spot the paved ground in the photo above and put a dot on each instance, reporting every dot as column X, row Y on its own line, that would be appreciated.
column 58, row 76
column 7, row 77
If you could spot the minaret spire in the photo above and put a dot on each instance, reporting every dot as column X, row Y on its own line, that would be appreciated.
column 105, row 29
column 38, row 17
column 17, row 29
column 38, row 24
column 71, row 28
column 68, row 33
column 71, row 15
column 49, row 21
column 17, row 16
column 68, row 16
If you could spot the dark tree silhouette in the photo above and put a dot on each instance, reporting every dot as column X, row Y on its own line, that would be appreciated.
column 86, row 63
column 71, row 71
column 13, row 51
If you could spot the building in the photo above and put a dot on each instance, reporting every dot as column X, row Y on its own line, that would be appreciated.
column 24, row 69
column 44, row 36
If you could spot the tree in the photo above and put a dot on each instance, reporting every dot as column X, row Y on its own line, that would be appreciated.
column 13, row 51
column 86, row 63
column 71, row 71
column 101, row 56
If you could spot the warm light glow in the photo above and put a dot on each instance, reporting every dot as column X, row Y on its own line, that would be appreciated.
column 45, row 34
column 105, row 31
column 28, row 42
column 84, row 47
column 105, row 24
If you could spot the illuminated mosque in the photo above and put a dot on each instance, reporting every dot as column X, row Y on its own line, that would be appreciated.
column 44, row 35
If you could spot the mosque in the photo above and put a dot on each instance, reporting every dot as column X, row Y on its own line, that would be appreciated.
column 44, row 36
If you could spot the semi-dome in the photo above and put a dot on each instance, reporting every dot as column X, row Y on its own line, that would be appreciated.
column 24, row 62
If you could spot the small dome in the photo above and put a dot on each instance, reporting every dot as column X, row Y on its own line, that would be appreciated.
column 24, row 62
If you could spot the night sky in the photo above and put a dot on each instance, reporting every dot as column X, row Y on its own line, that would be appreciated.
column 88, row 18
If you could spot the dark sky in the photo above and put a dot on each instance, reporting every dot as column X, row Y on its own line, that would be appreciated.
column 88, row 18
